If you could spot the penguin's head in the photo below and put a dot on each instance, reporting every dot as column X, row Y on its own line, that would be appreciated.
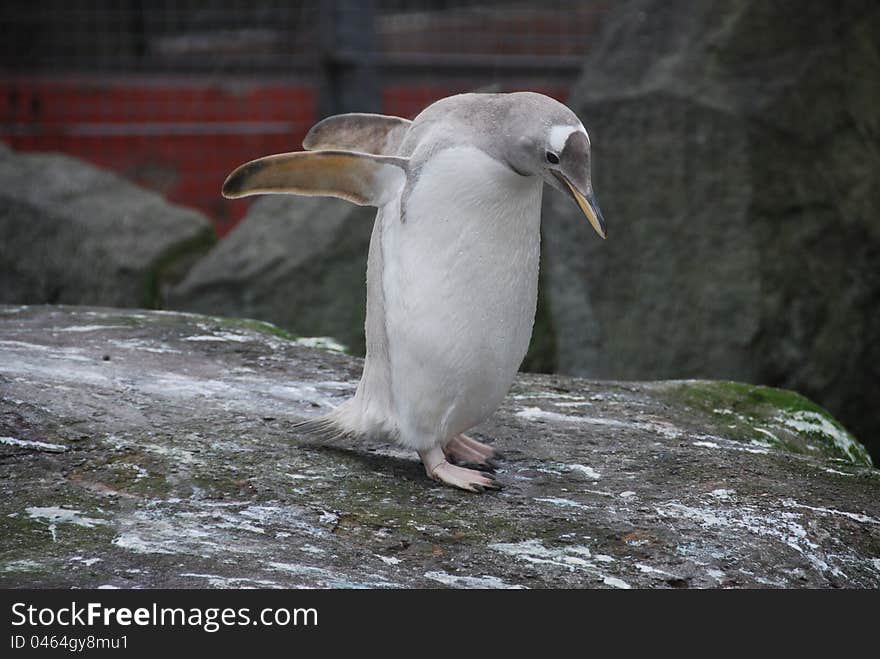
column 550, row 141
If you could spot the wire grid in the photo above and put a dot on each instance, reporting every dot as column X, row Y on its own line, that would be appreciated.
column 175, row 94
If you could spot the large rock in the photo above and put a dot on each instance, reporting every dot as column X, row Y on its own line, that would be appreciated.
column 294, row 261
column 737, row 160
column 75, row 234
column 157, row 449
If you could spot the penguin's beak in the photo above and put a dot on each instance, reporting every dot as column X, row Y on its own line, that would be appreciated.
column 587, row 203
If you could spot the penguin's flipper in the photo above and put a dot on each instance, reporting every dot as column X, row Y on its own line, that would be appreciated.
column 368, row 133
column 361, row 178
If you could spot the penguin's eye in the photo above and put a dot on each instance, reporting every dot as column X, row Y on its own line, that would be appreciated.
column 552, row 158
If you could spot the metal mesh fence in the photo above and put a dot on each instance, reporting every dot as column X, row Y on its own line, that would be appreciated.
column 175, row 94
column 184, row 36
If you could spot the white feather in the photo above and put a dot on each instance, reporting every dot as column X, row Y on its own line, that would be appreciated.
column 460, row 283
column 559, row 135
column 451, row 300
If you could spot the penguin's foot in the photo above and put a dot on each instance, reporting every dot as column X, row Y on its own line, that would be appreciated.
column 462, row 449
column 440, row 470
column 463, row 478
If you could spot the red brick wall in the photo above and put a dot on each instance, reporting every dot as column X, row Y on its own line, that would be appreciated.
column 178, row 136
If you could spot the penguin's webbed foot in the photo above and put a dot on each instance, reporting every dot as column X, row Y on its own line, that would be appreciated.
column 464, row 479
column 471, row 480
column 462, row 449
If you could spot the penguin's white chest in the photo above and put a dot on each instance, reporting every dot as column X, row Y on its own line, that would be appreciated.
column 460, row 288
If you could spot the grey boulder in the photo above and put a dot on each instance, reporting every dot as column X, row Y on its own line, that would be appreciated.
column 76, row 234
column 157, row 449
column 297, row 262
column 736, row 159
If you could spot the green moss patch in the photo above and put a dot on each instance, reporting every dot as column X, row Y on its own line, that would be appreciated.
column 770, row 417
column 260, row 326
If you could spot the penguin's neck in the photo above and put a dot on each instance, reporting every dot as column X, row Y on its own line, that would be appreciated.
column 466, row 185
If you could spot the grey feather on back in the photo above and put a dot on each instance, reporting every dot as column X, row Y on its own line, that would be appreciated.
column 377, row 134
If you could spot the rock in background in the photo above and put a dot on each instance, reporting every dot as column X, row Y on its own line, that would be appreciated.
column 298, row 262
column 76, row 234
column 171, row 459
column 736, row 156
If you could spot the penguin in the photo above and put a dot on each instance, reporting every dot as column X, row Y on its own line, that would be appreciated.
column 452, row 270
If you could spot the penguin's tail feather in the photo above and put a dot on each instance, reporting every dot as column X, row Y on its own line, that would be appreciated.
column 326, row 429
column 346, row 422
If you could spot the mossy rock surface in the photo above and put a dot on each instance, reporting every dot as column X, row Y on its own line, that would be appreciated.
column 777, row 418
column 158, row 449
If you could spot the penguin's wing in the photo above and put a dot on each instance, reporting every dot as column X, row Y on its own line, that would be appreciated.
column 361, row 178
column 368, row 133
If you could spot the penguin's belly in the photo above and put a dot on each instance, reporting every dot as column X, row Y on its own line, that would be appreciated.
column 460, row 284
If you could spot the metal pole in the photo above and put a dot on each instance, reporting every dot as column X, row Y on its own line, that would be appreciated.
column 349, row 76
